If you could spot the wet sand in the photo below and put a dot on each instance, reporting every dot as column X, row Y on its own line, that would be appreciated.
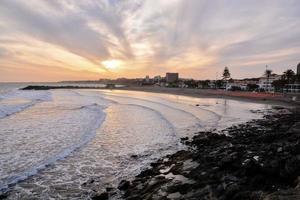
column 266, row 98
column 262, row 97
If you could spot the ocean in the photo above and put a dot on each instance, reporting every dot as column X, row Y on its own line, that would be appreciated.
column 71, row 144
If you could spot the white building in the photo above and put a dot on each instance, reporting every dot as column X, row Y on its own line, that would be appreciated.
column 231, row 86
column 147, row 79
column 265, row 83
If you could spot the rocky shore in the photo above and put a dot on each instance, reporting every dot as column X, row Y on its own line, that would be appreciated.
column 259, row 159
column 45, row 87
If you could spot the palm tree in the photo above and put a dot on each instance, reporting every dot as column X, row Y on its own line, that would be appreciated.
column 226, row 76
column 226, row 73
column 268, row 73
column 289, row 74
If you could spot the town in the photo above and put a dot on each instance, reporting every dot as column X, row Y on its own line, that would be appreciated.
column 287, row 82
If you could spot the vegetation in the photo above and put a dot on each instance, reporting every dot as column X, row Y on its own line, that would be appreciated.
column 268, row 73
column 252, row 87
column 191, row 83
column 288, row 77
column 226, row 74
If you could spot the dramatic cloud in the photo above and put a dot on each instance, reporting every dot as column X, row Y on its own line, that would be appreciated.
column 71, row 39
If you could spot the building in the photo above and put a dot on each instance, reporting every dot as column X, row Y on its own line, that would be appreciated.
column 110, row 86
column 246, row 81
column 242, row 84
column 147, row 79
column 265, row 83
column 157, row 79
column 235, row 86
column 172, row 77
column 292, row 88
column 298, row 69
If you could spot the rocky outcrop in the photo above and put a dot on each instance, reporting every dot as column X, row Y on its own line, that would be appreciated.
column 259, row 159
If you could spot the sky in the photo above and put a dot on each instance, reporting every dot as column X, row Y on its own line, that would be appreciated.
column 54, row 40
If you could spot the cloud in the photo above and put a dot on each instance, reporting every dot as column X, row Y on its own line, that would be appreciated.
column 194, row 37
column 68, row 30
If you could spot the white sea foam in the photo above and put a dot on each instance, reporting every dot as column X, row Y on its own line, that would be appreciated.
column 17, row 100
column 146, row 125
column 43, row 134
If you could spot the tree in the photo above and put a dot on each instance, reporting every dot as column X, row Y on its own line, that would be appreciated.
column 219, row 84
column 206, row 83
column 279, row 84
column 268, row 73
column 289, row 75
column 226, row 74
column 252, row 87
column 203, row 84
column 191, row 83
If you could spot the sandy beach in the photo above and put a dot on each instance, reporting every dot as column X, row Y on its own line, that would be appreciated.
column 267, row 98
column 286, row 99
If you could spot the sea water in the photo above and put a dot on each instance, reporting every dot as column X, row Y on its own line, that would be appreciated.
column 64, row 144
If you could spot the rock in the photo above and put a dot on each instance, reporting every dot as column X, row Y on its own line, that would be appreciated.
column 291, row 167
column 230, row 178
column 134, row 156
column 184, row 138
column 260, row 155
column 148, row 172
column 295, row 128
column 175, row 195
column 124, row 185
column 154, row 185
column 3, row 196
column 231, row 189
column 251, row 167
column 291, row 194
column 109, row 189
column 102, row 196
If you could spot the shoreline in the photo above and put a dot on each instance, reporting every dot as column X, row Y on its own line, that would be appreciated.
column 221, row 94
column 263, row 98
column 255, row 160
column 160, row 173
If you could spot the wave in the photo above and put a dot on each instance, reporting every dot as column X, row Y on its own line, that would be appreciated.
column 85, row 138
column 16, row 101
column 161, row 104
column 171, row 126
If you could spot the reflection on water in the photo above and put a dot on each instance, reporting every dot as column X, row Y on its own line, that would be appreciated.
column 118, row 132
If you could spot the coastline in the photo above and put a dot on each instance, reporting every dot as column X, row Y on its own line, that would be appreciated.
column 174, row 163
column 221, row 94
column 254, row 160
column 264, row 98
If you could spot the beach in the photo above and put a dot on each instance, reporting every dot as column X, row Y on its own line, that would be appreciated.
column 149, row 100
column 258, row 97
column 81, row 143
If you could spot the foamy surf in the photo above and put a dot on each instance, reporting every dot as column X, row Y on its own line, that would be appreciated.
column 31, row 141
column 94, row 138
column 16, row 101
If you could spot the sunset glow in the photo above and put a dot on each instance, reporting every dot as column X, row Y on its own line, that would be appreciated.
column 81, row 40
column 112, row 64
